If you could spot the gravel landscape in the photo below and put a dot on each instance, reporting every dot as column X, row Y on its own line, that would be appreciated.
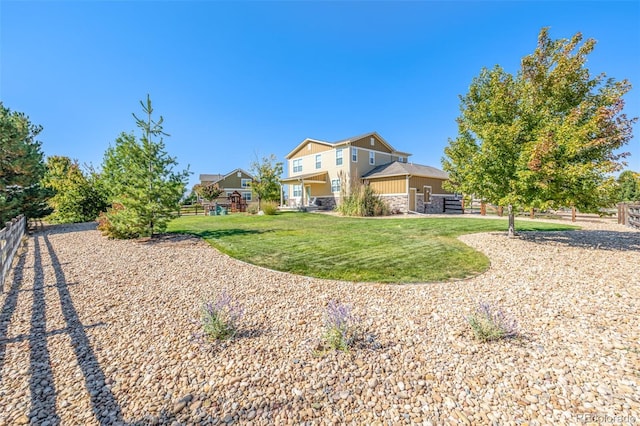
column 97, row 331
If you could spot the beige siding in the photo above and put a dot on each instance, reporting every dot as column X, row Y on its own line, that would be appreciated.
column 435, row 184
column 366, row 143
column 389, row 185
column 315, row 149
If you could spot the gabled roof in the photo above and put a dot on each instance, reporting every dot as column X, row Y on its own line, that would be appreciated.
column 345, row 142
column 210, row 178
column 303, row 143
column 403, row 169
column 218, row 177
column 238, row 170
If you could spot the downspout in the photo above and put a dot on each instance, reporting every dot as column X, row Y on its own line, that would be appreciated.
column 408, row 194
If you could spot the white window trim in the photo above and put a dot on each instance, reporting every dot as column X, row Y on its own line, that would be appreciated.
column 246, row 196
column 298, row 189
column 372, row 158
column 336, row 187
column 297, row 165
column 339, row 157
column 318, row 159
column 354, row 154
column 246, row 181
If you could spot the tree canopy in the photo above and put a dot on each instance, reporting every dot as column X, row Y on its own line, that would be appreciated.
column 21, row 168
column 267, row 174
column 547, row 137
column 77, row 195
column 142, row 187
column 629, row 186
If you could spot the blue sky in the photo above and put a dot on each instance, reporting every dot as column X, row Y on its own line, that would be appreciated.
column 238, row 79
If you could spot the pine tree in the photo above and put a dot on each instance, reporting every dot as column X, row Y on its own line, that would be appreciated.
column 21, row 168
column 143, row 189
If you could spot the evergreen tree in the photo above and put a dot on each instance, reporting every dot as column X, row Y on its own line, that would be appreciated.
column 21, row 168
column 138, row 175
column 628, row 186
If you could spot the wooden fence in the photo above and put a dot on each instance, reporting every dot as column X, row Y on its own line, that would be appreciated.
column 629, row 214
column 10, row 237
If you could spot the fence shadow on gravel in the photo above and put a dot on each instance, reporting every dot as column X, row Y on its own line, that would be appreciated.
column 602, row 240
column 103, row 403
column 9, row 305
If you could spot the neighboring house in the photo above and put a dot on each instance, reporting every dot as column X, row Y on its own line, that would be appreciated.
column 318, row 169
column 237, row 180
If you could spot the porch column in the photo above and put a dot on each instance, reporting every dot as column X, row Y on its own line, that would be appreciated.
column 302, row 185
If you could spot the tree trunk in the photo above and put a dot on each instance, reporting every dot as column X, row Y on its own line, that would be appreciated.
column 500, row 211
column 532, row 213
column 512, row 222
column 573, row 214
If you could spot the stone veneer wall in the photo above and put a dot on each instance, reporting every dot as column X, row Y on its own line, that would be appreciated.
column 435, row 206
column 396, row 202
column 327, row 203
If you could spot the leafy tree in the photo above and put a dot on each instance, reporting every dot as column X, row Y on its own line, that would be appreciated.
column 210, row 191
column 21, row 168
column 629, row 186
column 547, row 137
column 143, row 189
column 77, row 198
column 267, row 174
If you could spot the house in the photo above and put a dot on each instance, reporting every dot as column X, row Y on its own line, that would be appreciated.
column 237, row 180
column 319, row 169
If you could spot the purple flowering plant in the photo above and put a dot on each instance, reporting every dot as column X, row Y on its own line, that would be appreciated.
column 340, row 326
column 489, row 323
column 220, row 318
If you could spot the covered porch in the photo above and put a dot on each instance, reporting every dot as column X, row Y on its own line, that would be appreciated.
column 304, row 189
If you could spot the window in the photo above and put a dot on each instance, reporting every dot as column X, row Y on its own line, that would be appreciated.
column 372, row 158
column 245, row 183
column 427, row 194
column 335, row 185
column 354, row 155
column 339, row 157
column 297, row 165
column 297, row 190
column 373, row 141
column 309, row 147
column 318, row 161
column 246, row 196
column 229, row 194
column 401, row 159
column 239, row 174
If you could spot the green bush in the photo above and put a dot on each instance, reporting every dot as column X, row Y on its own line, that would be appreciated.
column 363, row 201
column 269, row 208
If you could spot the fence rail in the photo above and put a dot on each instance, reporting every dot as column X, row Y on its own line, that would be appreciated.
column 10, row 237
column 629, row 214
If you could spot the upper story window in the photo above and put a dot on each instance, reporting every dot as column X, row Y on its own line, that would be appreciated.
column 297, row 165
column 373, row 141
column 372, row 158
column 318, row 161
column 339, row 157
column 401, row 159
column 309, row 146
column 354, row 155
column 245, row 183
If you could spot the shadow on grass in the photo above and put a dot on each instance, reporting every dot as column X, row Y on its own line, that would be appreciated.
column 216, row 234
column 602, row 240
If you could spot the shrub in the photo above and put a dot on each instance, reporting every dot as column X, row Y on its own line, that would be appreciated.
column 269, row 208
column 220, row 318
column 119, row 222
column 252, row 208
column 362, row 201
column 488, row 323
column 341, row 327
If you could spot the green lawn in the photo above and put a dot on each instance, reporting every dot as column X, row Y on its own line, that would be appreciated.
column 352, row 249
